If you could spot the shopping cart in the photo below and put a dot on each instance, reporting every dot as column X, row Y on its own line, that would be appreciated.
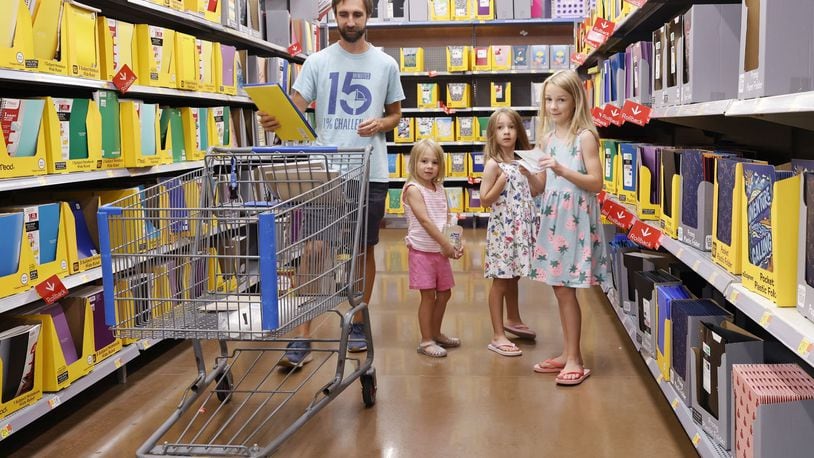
column 246, row 249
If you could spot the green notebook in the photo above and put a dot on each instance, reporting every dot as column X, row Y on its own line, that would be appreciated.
column 108, row 103
column 78, row 132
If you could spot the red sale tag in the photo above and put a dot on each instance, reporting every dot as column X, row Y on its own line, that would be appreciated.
column 645, row 235
column 602, row 197
column 600, row 32
column 124, row 79
column 579, row 58
column 613, row 114
column 599, row 119
column 636, row 113
column 295, row 48
column 617, row 214
column 52, row 289
column 637, row 3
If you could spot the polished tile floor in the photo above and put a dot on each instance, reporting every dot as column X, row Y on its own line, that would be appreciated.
column 473, row 403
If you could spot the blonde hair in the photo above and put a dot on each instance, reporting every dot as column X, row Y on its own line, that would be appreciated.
column 569, row 81
column 492, row 149
column 422, row 146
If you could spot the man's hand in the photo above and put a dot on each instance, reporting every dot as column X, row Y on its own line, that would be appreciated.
column 369, row 127
column 268, row 122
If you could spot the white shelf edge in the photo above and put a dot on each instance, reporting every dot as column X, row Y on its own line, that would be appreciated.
column 410, row 144
column 383, row 24
column 513, row 71
column 714, row 108
column 801, row 102
column 26, row 297
column 701, row 262
column 790, row 327
column 27, row 415
column 13, row 184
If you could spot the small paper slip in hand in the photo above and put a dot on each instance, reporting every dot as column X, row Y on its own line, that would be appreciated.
column 271, row 99
column 530, row 159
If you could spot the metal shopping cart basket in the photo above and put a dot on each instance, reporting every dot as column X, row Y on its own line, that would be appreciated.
column 246, row 249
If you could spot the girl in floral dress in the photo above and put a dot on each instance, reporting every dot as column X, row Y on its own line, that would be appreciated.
column 570, row 250
column 508, row 189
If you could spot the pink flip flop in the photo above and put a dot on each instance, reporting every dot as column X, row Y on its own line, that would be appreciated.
column 507, row 349
column 520, row 330
column 549, row 366
column 583, row 374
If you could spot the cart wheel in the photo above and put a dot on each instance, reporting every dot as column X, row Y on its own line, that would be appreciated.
column 368, row 381
column 224, row 388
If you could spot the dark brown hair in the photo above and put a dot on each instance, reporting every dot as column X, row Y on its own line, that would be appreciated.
column 368, row 6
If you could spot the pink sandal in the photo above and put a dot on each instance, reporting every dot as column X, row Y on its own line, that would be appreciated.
column 581, row 376
column 549, row 366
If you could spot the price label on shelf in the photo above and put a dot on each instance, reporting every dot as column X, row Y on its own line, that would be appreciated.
column 805, row 347
column 295, row 48
column 53, row 402
column 124, row 78
column 765, row 319
column 675, row 404
column 696, row 440
column 636, row 113
column 636, row 3
column 600, row 32
column 733, row 297
column 645, row 235
column 118, row 363
column 5, row 431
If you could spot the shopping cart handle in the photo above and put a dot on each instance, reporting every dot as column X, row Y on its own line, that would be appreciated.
column 296, row 150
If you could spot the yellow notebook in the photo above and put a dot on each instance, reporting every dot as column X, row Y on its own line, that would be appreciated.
column 271, row 99
column 47, row 22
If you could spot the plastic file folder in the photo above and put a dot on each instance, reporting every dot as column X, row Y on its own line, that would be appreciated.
column 271, row 98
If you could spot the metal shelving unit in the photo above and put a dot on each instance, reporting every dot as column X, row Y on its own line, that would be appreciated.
column 379, row 24
column 13, row 184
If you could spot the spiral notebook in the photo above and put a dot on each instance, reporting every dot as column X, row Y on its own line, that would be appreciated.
column 272, row 99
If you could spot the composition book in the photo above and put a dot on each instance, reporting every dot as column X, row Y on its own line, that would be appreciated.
column 271, row 98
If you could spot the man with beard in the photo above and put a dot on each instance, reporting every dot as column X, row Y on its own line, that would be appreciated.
column 358, row 93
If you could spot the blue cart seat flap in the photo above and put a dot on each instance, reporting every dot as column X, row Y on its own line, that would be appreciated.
column 267, row 250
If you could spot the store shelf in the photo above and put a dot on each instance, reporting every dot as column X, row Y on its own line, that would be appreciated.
column 785, row 323
column 715, row 108
column 144, row 11
column 27, row 297
column 465, row 110
column 701, row 262
column 14, row 184
column 34, row 80
column 639, row 26
column 410, row 145
column 18, row 420
column 705, row 445
column 379, row 24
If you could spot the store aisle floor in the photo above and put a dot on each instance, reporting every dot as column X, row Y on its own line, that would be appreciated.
column 473, row 403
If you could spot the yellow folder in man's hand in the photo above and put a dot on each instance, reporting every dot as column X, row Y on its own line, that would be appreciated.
column 271, row 98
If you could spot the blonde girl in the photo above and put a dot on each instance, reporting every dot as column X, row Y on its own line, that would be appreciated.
column 508, row 189
column 429, row 250
column 570, row 250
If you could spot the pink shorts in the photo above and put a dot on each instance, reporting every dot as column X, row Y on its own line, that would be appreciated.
column 429, row 270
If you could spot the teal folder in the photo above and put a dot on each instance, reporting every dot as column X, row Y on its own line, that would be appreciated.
column 147, row 120
column 11, row 226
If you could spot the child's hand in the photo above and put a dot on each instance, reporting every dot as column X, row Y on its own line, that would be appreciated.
column 458, row 253
column 449, row 251
column 549, row 162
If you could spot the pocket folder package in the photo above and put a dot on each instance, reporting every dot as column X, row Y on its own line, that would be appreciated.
column 271, row 99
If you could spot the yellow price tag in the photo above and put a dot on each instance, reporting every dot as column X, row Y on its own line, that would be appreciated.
column 110, row 174
column 733, row 298
column 766, row 319
column 53, row 402
column 146, row 344
column 675, row 404
column 661, row 378
column 117, row 363
column 42, row 180
column 713, row 277
column 805, row 347
column 6, row 431
column 696, row 265
column 696, row 440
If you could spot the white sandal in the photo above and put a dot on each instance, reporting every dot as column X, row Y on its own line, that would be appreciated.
column 431, row 349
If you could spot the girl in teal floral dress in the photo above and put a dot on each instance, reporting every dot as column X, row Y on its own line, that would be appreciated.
column 570, row 250
column 508, row 189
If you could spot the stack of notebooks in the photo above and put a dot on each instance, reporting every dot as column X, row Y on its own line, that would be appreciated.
column 17, row 351
column 758, row 385
column 20, row 120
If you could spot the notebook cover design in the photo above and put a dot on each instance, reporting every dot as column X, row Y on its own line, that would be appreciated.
column 108, row 103
column 670, row 165
column 20, row 120
column 424, row 127
column 539, row 57
column 456, row 55
column 466, row 127
column 456, row 91
column 445, row 129
column 457, row 163
column 499, row 91
column 102, row 335
column 78, row 129
column 725, row 176
column 410, row 58
column 271, row 98
column 66, row 341
column 651, row 157
column 666, row 296
column 404, row 129
column 520, row 57
column 630, row 169
column 758, row 181
column 692, row 174
column 680, row 313
column 147, row 113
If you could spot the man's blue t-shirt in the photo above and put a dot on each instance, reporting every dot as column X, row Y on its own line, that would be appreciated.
column 350, row 88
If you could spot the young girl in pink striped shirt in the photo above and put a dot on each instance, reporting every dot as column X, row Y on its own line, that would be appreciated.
column 429, row 250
